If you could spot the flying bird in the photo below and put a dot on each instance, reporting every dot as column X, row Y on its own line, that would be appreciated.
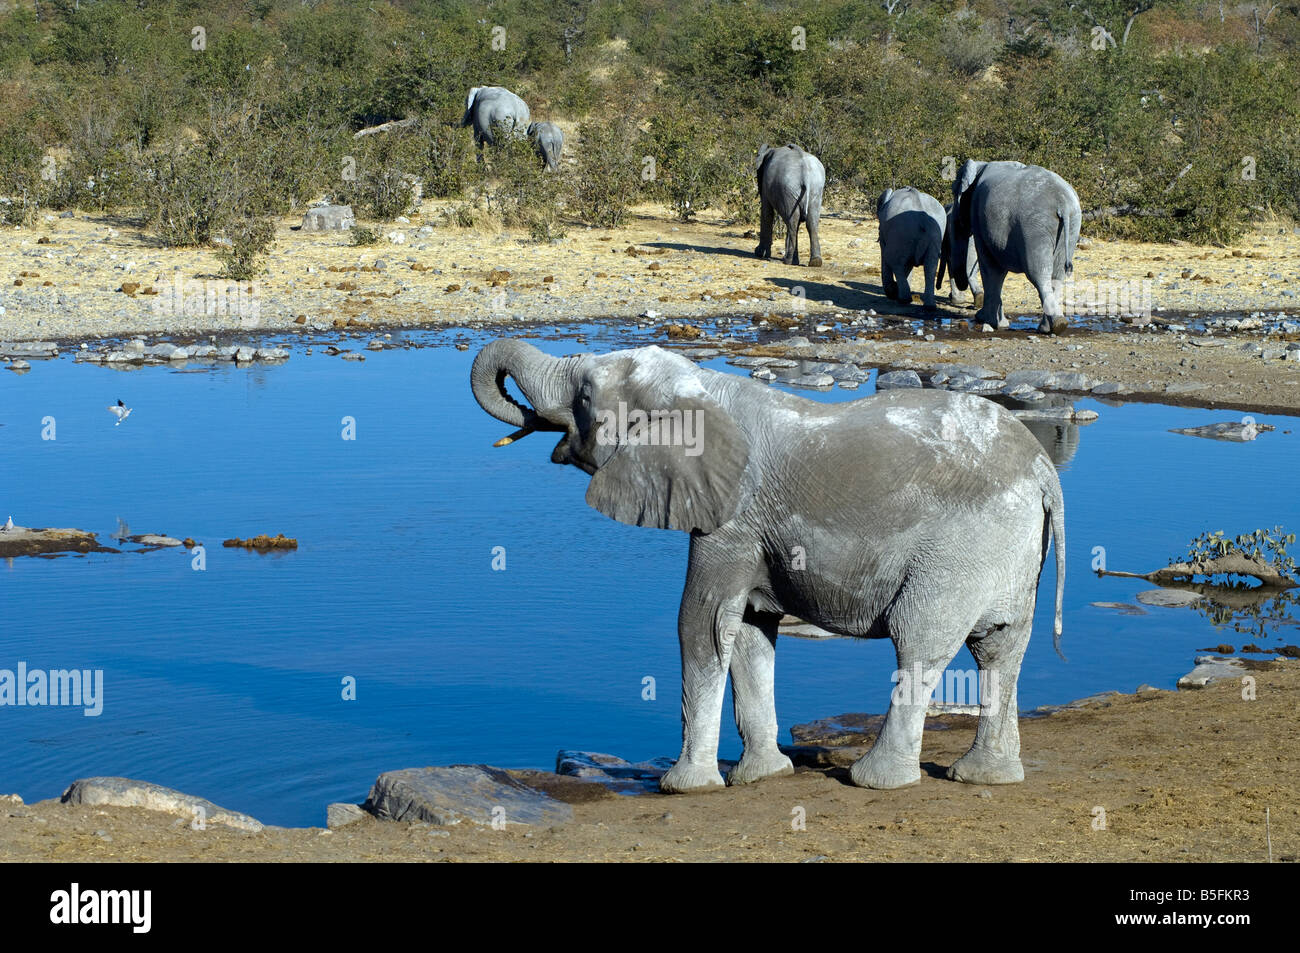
column 120, row 411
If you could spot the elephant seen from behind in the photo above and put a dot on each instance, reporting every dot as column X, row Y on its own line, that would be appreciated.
column 911, row 236
column 790, row 185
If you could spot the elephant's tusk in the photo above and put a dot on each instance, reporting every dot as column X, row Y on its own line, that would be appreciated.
column 518, row 434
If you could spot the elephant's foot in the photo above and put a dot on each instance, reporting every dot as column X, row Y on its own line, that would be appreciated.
column 755, row 766
column 684, row 777
column 815, row 261
column 929, row 304
column 884, row 771
column 979, row 766
column 1052, row 325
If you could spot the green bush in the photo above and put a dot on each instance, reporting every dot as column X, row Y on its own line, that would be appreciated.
column 250, row 240
column 607, row 181
column 523, row 193
column 362, row 237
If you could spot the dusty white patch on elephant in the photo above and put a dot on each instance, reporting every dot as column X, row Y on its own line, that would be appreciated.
column 964, row 424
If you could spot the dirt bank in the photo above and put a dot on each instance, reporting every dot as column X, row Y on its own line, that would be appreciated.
column 1179, row 776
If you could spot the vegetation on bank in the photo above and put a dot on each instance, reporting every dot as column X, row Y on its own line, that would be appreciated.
column 1173, row 119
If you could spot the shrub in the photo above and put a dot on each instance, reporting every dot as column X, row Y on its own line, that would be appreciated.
column 364, row 236
column 608, row 178
column 250, row 240
column 522, row 193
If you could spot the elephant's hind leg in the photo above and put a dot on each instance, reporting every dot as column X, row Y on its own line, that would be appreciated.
column 792, row 238
column 894, row 761
column 994, row 758
column 753, row 671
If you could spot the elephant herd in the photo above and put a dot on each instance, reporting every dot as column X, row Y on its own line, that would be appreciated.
column 1004, row 216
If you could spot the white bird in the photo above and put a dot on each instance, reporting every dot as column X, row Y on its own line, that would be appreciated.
column 9, row 524
column 120, row 411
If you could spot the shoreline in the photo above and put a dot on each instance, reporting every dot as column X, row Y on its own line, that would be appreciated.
column 1078, row 756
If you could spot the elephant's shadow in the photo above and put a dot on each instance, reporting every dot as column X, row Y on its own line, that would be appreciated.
column 841, row 774
column 860, row 296
column 702, row 249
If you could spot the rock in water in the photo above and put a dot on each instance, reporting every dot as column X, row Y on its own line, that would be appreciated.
column 892, row 380
column 1210, row 669
column 475, row 793
column 328, row 218
column 1237, row 431
column 1173, row 598
column 123, row 792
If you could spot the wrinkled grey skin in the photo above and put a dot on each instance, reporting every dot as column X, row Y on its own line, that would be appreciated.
column 549, row 142
column 972, row 273
column 1023, row 218
column 790, row 184
column 911, row 235
column 917, row 515
column 492, row 110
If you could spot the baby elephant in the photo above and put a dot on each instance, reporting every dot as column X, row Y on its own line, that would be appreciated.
column 790, row 184
column 911, row 235
column 549, row 142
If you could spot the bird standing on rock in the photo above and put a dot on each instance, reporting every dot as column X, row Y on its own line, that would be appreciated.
column 9, row 524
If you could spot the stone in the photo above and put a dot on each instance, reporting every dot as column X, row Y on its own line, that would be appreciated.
column 1171, row 598
column 810, row 381
column 37, row 349
column 461, row 794
column 271, row 354
column 244, row 355
column 1110, row 387
column 124, row 792
column 1059, row 414
column 329, row 218
column 893, row 380
column 341, row 815
column 1053, row 380
column 970, row 370
column 1210, row 669
column 1236, row 431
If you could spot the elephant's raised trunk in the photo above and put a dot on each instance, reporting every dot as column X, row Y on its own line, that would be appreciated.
column 544, row 380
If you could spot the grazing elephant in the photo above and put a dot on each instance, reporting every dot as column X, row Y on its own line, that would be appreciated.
column 490, row 109
column 790, row 184
column 1023, row 218
column 549, row 142
column 911, row 235
column 919, row 515
column 972, row 266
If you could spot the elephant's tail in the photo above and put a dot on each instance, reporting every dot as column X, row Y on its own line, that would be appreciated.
column 1054, row 513
column 1066, row 239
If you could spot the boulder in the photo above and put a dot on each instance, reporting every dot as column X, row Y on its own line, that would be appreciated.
column 37, row 349
column 124, row 792
column 461, row 793
column 1210, row 669
column 341, row 815
column 1170, row 598
column 329, row 218
column 894, row 380
column 1233, row 430
column 1053, row 380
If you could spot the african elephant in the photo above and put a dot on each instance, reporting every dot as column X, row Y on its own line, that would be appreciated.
column 790, row 184
column 489, row 108
column 919, row 515
column 911, row 235
column 972, row 272
column 1023, row 218
column 549, row 142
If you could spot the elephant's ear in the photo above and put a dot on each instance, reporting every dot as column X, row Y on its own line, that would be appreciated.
column 880, row 202
column 680, row 466
column 963, row 190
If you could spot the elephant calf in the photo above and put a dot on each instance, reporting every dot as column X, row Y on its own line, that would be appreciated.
column 549, row 142
column 921, row 516
column 911, row 235
column 1023, row 218
column 790, row 184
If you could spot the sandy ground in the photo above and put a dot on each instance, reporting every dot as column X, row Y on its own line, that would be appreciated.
column 1179, row 776
column 63, row 279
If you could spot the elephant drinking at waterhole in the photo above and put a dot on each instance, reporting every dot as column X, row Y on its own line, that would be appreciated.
column 916, row 515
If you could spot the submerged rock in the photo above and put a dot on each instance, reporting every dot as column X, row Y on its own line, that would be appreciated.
column 1233, row 430
column 1171, row 598
column 477, row 794
column 124, row 792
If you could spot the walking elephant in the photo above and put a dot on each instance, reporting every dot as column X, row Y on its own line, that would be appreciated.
column 917, row 515
column 494, row 110
column 911, row 235
column 549, row 142
column 971, row 271
column 790, row 184
column 1023, row 218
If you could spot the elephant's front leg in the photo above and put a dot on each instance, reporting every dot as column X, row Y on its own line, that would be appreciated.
column 931, row 268
column 707, row 631
column 753, row 694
